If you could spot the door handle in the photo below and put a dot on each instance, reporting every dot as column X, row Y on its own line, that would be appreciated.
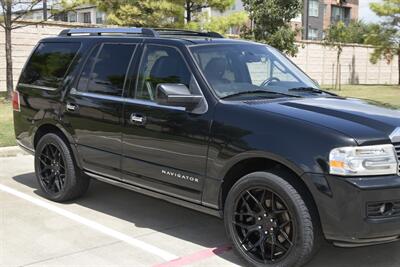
column 137, row 119
column 71, row 107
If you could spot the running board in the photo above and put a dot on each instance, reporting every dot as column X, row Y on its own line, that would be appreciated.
column 147, row 192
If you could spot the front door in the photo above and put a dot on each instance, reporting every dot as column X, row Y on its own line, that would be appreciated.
column 164, row 148
column 94, row 108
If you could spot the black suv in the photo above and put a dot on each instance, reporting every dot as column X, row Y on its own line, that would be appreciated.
column 227, row 127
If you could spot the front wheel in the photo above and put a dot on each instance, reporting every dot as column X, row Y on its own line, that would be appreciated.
column 268, row 222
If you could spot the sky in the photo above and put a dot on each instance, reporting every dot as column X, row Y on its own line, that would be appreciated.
column 366, row 13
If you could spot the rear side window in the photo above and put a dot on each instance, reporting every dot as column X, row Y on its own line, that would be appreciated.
column 105, row 69
column 49, row 64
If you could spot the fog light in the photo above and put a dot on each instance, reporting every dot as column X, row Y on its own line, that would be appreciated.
column 386, row 208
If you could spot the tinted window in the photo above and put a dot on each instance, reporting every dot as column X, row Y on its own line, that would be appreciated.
column 108, row 69
column 49, row 63
column 84, row 79
column 161, row 65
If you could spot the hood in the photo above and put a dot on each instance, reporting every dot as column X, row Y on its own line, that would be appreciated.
column 366, row 122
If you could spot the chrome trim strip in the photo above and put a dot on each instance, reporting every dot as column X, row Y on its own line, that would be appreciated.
column 123, row 100
column 395, row 135
column 31, row 86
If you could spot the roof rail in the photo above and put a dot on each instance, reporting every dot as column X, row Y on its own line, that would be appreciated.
column 143, row 31
column 100, row 31
column 179, row 32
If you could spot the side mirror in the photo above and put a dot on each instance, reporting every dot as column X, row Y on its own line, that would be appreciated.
column 177, row 95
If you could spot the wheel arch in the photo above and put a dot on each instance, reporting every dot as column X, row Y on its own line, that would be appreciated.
column 260, row 161
column 50, row 127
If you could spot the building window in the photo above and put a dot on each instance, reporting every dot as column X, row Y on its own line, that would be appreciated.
column 340, row 14
column 72, row 17
column 313, row 8
column 99, row 18
column 313, row 34
column 87, row 17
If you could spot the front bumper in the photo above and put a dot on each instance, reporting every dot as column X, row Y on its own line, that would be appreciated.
column 342, row 205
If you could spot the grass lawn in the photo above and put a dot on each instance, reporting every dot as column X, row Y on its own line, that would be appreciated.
column 386, row 94
column 7, row 137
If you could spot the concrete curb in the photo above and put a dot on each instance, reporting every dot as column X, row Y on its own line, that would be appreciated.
column 11, row 151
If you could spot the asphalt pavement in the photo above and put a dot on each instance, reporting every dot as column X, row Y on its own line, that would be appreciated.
column 111, row 226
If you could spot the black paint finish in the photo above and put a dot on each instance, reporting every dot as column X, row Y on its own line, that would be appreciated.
column 186, row 157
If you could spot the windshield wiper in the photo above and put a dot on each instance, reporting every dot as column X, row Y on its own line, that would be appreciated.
column 310, row 90
column 258, row 92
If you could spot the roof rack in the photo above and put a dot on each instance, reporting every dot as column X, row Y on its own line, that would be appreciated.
column 101, row 31
column 178, row 32
column 140, row 31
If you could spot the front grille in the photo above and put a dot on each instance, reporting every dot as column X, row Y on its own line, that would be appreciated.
column 380, row 210
column 397, row 148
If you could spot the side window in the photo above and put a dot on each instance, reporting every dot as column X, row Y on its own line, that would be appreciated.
column 105, row 70
column 160, row 65
column 49, row 64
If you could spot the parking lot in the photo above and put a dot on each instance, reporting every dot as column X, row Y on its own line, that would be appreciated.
column 111, row 226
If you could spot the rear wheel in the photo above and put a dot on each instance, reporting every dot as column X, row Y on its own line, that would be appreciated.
column 268, row 221
column 56, row 173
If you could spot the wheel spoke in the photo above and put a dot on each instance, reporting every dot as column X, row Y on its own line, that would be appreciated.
column 260, row 207
column 280, row 246
column 47, row 168
column 252, row 214
column 57, row 183
column 273, row 202
column 286, row 237
column 241, row 225
column 246, row 204
column 272, row 251
column 283, row 225
column 262, row 247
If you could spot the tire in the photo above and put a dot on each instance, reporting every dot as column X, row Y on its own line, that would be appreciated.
column 56, row 172
column 261, row 232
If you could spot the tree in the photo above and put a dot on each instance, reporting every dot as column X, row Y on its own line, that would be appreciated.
column 386, row 37
column 138, row 13
column 12, row 12
column 220, row 24
column 196, row 6
column 271, row 19
column 335, row 37
column 9, row 23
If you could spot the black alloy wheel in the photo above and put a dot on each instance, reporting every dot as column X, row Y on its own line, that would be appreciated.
column 269, row 223
column 52, row 169
column 263, row 224
column 56, row 171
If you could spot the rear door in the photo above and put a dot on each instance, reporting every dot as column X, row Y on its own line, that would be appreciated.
column 94, row 107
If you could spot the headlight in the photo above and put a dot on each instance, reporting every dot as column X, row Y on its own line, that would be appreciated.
column 363, row 160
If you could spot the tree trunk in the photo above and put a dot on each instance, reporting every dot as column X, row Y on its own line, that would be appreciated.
column 337, row 86
column 8, row 46
column 398, row 66
column 188, row 11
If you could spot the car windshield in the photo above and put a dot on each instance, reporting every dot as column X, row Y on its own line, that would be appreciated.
column 251, row 70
